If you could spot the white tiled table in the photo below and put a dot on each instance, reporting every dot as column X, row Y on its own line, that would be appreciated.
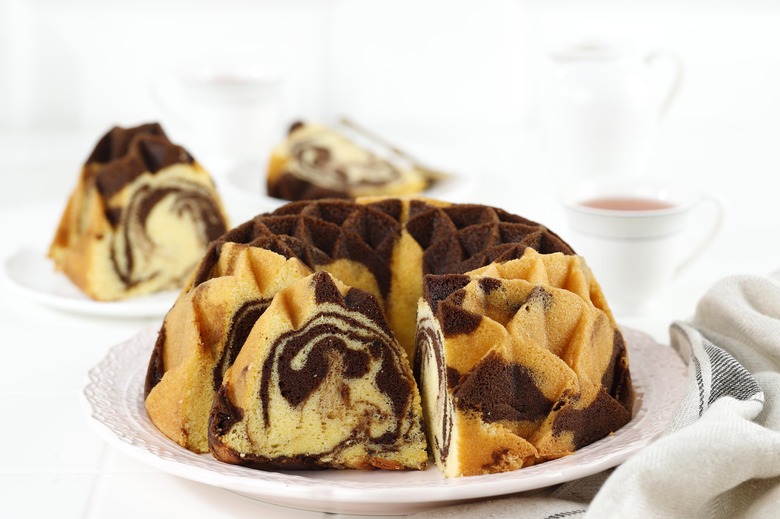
column 52, row 464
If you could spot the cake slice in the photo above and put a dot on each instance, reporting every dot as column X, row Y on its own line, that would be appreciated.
column 319, row 162
column 319, row 383
column 139, row 219
column 518, row 363
column 203, row 333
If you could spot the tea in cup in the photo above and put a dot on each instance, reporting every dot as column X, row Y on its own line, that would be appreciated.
column 635, row 235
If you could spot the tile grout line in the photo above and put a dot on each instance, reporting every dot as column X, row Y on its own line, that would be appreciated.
column 98, row 483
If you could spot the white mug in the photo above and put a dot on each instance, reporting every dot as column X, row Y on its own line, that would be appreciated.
column 635, row 235
column 227, row 115
column 602, row 107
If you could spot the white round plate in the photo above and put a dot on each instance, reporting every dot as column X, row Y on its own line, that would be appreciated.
column 32, row 274
column 113, row 400
column 247, row 184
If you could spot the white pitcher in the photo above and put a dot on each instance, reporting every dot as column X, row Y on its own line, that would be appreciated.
column 226, row 114
column 602, row 106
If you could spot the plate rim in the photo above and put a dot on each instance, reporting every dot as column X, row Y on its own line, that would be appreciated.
column 154, row 305
column 284, row 488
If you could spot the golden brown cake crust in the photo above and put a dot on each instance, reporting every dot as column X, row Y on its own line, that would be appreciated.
column 387, row 247
column 522, row 353
column 139, row 218
column 454, row 238
column 204, row 332
column 319, row 383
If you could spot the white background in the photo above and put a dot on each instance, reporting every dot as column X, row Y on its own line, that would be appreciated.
column 460, row 79
column 86, row 65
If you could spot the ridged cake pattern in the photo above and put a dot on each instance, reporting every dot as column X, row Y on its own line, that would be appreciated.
column 320, row 383
column 519, row 362
column 385, row 247
column 204, row 332
column 140, row 217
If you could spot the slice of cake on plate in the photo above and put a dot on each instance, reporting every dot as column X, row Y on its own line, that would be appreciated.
column 316, row 161
column 139, row 219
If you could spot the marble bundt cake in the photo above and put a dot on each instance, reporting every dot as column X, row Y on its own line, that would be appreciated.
column 518, row 362
column 320, row 383
column 139, row 219
column 382, row 246
column 319, row 162
column 203, row 333
column 365, row 245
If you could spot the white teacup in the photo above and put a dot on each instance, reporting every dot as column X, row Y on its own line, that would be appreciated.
column 226, row 115
column 635, row 235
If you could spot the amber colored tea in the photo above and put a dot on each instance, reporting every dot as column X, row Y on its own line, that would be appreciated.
column 626, row 203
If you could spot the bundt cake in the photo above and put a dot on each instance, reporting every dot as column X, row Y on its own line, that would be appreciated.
column 518, row 362
column 319, row 162
column 203, row 333
column 320, row 383
column 384, row 247
column 139, row 219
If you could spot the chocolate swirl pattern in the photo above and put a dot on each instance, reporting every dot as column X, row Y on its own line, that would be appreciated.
column 520, row 362
column 336, row 163
column 320, row 383
column 203, row 334
column 159, row 221
column 139, row 219
column 317, row 162
column 384, row 246
column 241, row 324
column 430, row 361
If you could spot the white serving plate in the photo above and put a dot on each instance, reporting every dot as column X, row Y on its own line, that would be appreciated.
column 113, row 400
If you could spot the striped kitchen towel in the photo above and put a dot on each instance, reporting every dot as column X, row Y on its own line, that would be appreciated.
column 720, row 456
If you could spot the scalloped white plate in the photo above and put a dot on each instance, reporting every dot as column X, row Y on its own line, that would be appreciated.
column 32, row 275
column 113, row 399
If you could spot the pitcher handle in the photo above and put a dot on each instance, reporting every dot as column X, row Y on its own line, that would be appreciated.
column 717, row 222
column 677, row 79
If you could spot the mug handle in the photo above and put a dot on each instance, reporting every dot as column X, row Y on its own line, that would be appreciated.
column 715, row 227
column 676, row 81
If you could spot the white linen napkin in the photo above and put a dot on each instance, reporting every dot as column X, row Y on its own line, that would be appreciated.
column 720, row 456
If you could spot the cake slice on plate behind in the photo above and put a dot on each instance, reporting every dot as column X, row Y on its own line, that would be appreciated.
column 140, row 218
